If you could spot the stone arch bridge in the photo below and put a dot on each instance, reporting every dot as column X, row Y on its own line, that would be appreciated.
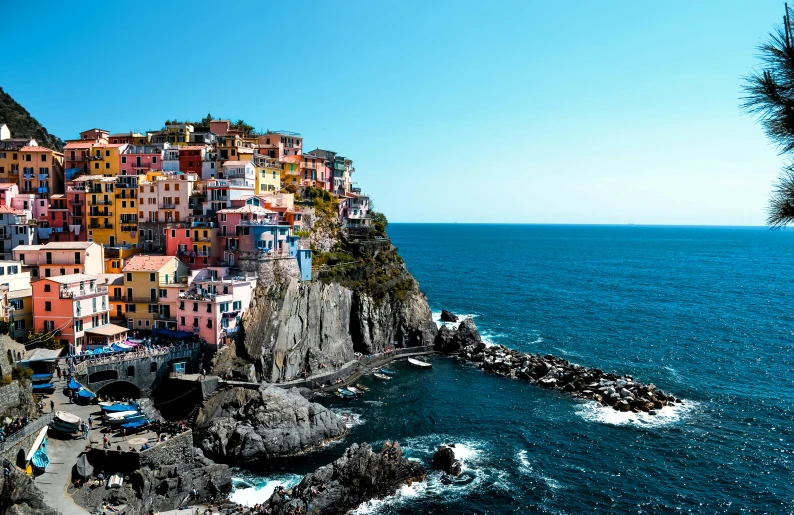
column 146, row 369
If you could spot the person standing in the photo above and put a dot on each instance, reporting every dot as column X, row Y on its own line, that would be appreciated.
column 90, row 422
column 52, row 406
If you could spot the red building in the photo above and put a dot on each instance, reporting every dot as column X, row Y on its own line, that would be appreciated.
column 190, row 158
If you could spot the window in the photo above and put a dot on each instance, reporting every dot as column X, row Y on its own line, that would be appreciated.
column 46, row 287
column 129, row 276
column 48, row 306
column 130, row 308
column 163, row 294
column 77, row 270
column 154, row 160
column 182, row 320
column 152, row 277
column 123, row 159
column 107, row 165
column 96, row 166
column 93, row 305
column 176, row 186
column 209, row 308
column 195, row 322
column 209, row 323
column 236, row 305
column 131, row 371
column 195, row 306
column 78, row 325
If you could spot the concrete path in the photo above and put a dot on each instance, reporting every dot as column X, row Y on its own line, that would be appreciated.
column 64, row 452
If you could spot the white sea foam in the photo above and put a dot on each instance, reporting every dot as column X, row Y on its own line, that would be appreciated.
column 525, row 468
column 437, row 319
column 248, row 493
column 667, row 416
column 351, row 418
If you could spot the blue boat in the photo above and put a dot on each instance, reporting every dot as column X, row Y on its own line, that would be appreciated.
column 344, row 393
column 73, row 385
column 119, row 407
column 41, row 378
column 138, row 417
column 40, row 460
column 135, row 425
column 85, row 396
column 387, row 371
column 43, row 388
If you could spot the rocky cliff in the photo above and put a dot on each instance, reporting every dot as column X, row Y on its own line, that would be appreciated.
column 363, row 299
column 358, row 476
column 243, row 426
column 20, row 496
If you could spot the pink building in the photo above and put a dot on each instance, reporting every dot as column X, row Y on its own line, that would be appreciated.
column 8, row 190
column 139, row 159
column 214, row 304
column 75, row 307
column 195, row 244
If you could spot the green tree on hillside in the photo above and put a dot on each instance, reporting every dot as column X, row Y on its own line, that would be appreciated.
column 769, row 96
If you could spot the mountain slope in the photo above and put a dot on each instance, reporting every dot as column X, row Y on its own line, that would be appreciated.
column 23, row 125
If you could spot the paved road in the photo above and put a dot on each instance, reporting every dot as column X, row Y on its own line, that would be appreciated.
column 64, row 453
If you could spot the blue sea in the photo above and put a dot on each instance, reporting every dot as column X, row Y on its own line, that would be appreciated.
column 705, row 313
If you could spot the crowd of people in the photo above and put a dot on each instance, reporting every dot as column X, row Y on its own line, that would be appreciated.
column 14, row 426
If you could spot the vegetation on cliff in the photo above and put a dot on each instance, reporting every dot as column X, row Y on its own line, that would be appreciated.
column 23, row 125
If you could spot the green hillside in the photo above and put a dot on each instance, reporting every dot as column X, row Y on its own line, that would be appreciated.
column 23, row 125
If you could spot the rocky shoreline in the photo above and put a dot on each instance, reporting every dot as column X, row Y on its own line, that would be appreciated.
column 360, row 475
column 620, row 392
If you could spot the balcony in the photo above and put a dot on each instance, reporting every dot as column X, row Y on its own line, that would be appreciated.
column 28, row 175
column 80, row 294
column 100, row 226
column 100, row 202
column 129, row 228
column 97, row 212
column 44, row 190
column 126, row 194
column 168, row 206
column 64, row 261
column 76, row 214
column 44, row 176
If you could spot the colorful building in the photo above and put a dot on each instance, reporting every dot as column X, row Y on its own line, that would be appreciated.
column 191, row 158
column 76, row 309
column 61, row 258
column 107, row 159
column 195, row 244
column 16, row 228
column 268, row 174
column 152, row 285
column 213, row 305
column 139, row 159
column 16, row 299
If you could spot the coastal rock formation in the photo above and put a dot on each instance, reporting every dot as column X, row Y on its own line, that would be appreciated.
column 622, row 393
column 252, row 425
column 358, row 476
column 451, row 341
column 20, row 496
column 292, row 327
column 448, row 316
column 444, row 460
column 165, row 477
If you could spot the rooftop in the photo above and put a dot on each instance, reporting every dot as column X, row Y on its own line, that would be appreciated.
column 146, row 263
column 67, row 245
column 235, row 163
column 70, row 278
column 107, row 330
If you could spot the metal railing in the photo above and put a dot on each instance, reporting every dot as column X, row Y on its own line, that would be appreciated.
column 32, row 428
column 181, row 350
column 78, row 294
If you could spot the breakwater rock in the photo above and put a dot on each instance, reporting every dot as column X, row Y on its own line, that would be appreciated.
column 444, row 460
column 358, row 476
column 452, row 341
column 249, row 425
column 621, row 392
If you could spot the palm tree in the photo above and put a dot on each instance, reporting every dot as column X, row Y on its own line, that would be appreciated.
column 769, row 96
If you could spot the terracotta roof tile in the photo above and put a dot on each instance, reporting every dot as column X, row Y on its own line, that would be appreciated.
column 34, row 149
column 146, row 263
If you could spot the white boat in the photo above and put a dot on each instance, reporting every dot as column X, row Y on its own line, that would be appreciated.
column 120, row 415
column 382, row 377
column 115, row 480
column 355, row 390
column 419, row 363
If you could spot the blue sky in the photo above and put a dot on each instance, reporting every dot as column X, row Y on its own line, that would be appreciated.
column 536, row 112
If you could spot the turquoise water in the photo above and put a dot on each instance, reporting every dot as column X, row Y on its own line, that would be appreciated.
column 704, row 313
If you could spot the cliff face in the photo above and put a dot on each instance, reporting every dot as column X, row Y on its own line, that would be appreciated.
column 295, row 326
column 23, row 125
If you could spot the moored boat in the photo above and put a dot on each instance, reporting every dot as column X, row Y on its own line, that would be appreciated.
column 382, row 377
column 41, row 378
column 135, row 425
column 345, row 393
column 362, row 387
column 43, row 388
column 116, row 407
column 419, row 363
column 65, row 422
column 120, row 421
column 386, row 371
column 355, row 390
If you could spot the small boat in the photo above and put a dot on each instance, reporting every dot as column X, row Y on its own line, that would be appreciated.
column 381, row 376
column 115, row 407
column 73, row 385
column 346, row 394
column 43, row 388
column 65, row 422
column 355, row 390
column 40, row 460
column 121, row 414
column 125, row 420
column 135, row 425
column 362, row 387
column 387, row 371
column 115, row 480
column 85, row 396
column 36, row 458
column 419, row 363
column 41, row 378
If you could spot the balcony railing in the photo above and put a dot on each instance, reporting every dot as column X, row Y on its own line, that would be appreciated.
column 100, row 202
column 79, row 294
column 126, row 194
column 100, row 226
column 63, row 261
column 167, row 206
column 129, row 228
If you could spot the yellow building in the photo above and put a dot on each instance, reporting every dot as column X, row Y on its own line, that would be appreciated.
column 268, row 174
column 117, row 257
column 107, row 159
column 40, row 171
column 151, row 288
column 178, row 134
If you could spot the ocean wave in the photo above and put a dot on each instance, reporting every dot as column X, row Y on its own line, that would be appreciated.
column 250, row 490
column 351, row 418
column 461, row 317
column 525, row 468
column 667, row 416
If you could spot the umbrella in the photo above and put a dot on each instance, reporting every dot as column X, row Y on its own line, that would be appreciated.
column 83, row 467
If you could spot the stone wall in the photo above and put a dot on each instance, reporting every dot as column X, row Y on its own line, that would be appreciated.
column 268, row 268
column 16, row 400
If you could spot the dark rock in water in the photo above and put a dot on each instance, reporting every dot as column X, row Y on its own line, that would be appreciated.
column 447, row 340
column 469, row 336
column 270, row 423
column 358, row 476
column 444, row 460
column 447, row 316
